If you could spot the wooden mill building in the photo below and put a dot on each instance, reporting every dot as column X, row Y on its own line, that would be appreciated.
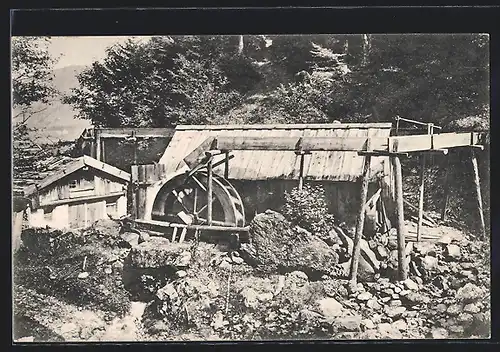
column 83, row 191
column 262, row 176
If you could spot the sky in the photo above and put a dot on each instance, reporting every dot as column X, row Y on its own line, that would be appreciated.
column 82, row 50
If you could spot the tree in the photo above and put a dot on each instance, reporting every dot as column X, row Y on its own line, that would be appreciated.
column 31, row 74
column 31, row 70
column 162, row 82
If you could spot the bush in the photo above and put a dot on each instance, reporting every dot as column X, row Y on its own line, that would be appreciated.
column 52, row 260
column 308, row 209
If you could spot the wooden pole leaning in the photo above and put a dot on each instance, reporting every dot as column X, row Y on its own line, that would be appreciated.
column 479, row 198
column 353, row 275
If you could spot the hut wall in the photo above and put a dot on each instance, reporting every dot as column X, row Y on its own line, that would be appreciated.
column 342, row 197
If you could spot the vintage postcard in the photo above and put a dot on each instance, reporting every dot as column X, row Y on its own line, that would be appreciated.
column 251, row 187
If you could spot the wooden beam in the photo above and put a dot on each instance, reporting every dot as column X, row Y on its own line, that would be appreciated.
column 135, row 147
column 299, row 143
column 398, row 144
column 425, row 216
column 400, row 221
column 410, row 143
column 478, row 194
column 209, row 191
column 301, row 171
column 98, row 144
column 165, row 224
column 383, row 125
column 359, row 224
column 139, row 132
column 194, row 158
column 226, row 165
column 450, row 140
column 383, row 153
column 103, row 151
column 81, row 199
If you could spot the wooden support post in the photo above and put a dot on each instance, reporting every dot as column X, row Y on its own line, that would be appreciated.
column 103, row 150
column 446, row 188
column 478, row 194
column 421, row 197
column 209, row 191
column 400, row 226
column 226, row 166
column 98, row 144
column 183, row 235
column 360, row 223
column 423, row 156
column 135, row 147
column 301, row 171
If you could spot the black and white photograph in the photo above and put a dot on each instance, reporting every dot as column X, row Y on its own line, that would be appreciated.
column 250, row 187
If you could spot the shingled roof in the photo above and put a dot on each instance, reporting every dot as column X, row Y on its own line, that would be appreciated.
column 265, row 165
column 73, row 166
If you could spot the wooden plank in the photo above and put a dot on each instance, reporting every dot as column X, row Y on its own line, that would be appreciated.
column 403, row 144
column 478, row 194
column 293, row 143
column 425, row 216
column 198, row 154
column 359, row 224
column 384, row 125
column 139, row 132
column 449, row 140
column 70, row 168
column 165, row 224
column 82, row 199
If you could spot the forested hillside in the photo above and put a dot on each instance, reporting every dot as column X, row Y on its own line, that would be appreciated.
column 315, row 78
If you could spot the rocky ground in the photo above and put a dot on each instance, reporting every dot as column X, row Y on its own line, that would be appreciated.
column 103, row 285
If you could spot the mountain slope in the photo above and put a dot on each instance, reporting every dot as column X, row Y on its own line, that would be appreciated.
column 57, row 120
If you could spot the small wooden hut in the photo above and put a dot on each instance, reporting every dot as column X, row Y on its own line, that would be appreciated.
column 83, row 191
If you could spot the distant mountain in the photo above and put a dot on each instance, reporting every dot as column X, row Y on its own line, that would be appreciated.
column 57, row 122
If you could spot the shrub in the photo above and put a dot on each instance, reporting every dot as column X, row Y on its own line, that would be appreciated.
column 308, row 209
column 61, row 254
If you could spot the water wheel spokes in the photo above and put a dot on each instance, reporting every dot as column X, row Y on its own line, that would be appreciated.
column 185, row 200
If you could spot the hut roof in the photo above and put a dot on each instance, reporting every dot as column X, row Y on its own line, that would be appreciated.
column 74, row 166
column 284, row 165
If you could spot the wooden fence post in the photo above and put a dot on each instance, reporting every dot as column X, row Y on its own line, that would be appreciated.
column 400, row 221
column 360, row 222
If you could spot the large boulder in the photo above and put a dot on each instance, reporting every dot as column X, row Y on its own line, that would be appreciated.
column 276, row 244
column 159, row 252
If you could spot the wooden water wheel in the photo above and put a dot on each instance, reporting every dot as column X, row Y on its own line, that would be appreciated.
column 183, row 200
